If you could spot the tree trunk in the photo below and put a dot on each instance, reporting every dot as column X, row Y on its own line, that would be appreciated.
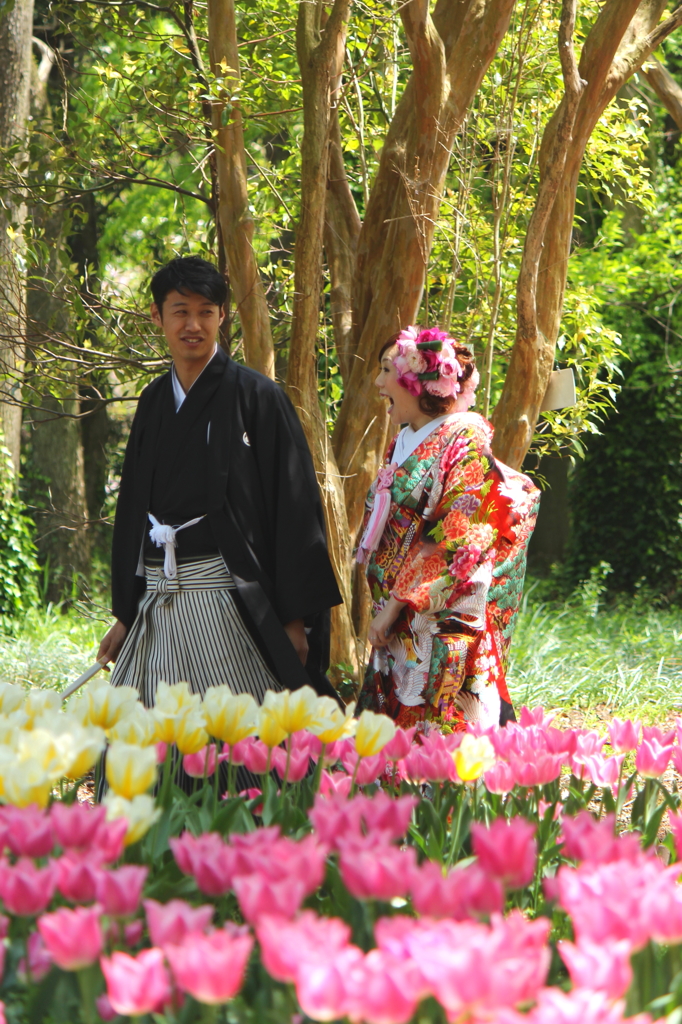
column 451, row 53
column 56, row 485
column 667, row 90
column 320, row 55
column 16, row 30
column 625, row 33
column 235, row 220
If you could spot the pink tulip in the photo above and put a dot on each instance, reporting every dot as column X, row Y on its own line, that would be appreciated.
column 277, row 858
column 109, row 839
column 586, row 839
column 384, row 989
column 368, row 768
column 207, row 858
column 386, row 815
column 543, row 768
column 39, row 960
column 337, row 751
column 463, row 893
column 137, row 984
column 293, row 765
column 581, row 1006
column 400, row 745
column 258, row 895
column 161, row 752
column 27, row 831
column 334, row 817
column 196, row 766
column 529, row 718
column 286, row 946
column 77, row 877
column 602, row 966
column 75, row 825
column 133, row 933
column 73, row 937
column 506, row 850
column 652, row 758
column 104, row 1007
column 322, row 988
column 251, row 794
column 169, row 923
column 211, row 967
column 431, row 761
column 332, row 783
column 624, row 735
column 376, row 872
column 120, row 891
column 561, row 741
column 500, row 778
column 25, row 889
column 256, row 754
column 604, row 771
column 653, row 732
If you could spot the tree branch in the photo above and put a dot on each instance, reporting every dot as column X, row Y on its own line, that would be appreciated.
column 667, row 90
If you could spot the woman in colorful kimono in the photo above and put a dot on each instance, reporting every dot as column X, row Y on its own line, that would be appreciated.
column 444, row 542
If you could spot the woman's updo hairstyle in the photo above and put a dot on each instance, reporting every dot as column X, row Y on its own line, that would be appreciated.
column 431, row 404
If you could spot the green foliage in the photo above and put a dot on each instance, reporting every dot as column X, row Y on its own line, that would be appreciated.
column 18, row 564
column 592, row 654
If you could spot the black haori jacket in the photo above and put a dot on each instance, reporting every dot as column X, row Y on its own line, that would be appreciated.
column 264, row 511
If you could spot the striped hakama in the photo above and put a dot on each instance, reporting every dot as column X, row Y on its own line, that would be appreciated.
column 188, row 629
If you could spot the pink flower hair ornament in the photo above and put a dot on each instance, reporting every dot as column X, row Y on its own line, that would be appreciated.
column 426, row 361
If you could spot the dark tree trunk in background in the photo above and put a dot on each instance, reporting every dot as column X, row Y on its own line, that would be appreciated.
column 16, row 30
column 550, row 538
column 56, row 485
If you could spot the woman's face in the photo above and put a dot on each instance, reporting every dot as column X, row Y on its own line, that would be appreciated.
column 402, row 406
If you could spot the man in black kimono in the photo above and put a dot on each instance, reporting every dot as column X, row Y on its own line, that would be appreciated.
column 220, row 570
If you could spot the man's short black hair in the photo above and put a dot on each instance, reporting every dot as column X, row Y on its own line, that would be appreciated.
column 187, row 274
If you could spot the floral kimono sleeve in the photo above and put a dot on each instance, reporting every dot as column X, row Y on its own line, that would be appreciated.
column 456, row 540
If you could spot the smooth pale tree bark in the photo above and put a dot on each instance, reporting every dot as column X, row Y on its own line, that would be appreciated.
column 624, row 35
column 16, row 30
column 451, row 52
column 234, row 216
column 56, row 486
column 320, row 45
column 666, row 88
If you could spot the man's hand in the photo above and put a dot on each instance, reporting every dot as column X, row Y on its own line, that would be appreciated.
column 296, row 632
column 110, row 647
column 381, row 628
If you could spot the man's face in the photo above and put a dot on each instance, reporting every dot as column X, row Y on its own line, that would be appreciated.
column 190, row 324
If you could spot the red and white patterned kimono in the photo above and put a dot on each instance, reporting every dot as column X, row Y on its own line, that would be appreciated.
column 454, row 550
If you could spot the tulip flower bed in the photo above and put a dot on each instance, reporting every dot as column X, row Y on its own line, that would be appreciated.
column 503, row 876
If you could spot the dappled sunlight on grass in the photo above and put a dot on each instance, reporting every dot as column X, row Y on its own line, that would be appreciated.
column 628, row 658
column 50, row 648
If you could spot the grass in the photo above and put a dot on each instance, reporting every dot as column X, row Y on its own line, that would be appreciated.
column 625, row 659
column 50, row 649
column 577, row 656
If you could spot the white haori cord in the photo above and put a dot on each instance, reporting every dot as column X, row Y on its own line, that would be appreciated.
column 164, row 537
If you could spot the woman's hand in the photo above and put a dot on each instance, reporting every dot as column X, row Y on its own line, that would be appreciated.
column 380, row 630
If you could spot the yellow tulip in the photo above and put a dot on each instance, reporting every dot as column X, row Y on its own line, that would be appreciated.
column 140, row 813
column 88, row 742
column 41, row 702
column 372, row 733
column 295, row 710
column 190, row 732
column 230, row 717
column 137, row 727
column 174, row 700
column 335, row 725
column 269, row 728
column 10, row 727
column 26, row 782
column 52, row 752
column 474, row 756
column 11, row 697
column 130, row 770
column 107, row 704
